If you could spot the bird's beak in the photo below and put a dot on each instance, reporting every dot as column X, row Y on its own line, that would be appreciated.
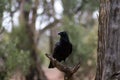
column 59, row 33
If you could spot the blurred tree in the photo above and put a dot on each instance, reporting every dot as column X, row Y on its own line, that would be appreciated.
column 29, row 38
column 2, row 62
column 2, row 2
column 25, row 37
column 108, row 58
column 81, row 10
column 34, row 36
column 35, row 68
column 76, row 6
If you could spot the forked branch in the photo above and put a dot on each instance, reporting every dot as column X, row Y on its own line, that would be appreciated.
column 68, row 71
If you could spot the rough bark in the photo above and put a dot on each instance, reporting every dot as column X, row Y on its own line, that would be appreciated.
column 108, row 60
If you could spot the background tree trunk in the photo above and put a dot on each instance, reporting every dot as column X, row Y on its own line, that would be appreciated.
column 108, row 60
column 35, row 70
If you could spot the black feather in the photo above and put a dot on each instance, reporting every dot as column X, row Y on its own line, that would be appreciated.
column 62, row 49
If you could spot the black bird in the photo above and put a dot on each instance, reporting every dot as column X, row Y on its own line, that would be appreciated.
column 62, row 49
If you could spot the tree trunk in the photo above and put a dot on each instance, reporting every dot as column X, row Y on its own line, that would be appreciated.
column 51, row 41
column 52, row 37
column 35, row 70
column 108, row 58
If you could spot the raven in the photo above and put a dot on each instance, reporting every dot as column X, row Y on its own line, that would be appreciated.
column 62, row 49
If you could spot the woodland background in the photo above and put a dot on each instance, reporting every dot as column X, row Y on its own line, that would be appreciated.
column 29, row 30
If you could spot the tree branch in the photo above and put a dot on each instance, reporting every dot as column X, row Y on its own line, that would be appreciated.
column 68, row 71
column 47, row 27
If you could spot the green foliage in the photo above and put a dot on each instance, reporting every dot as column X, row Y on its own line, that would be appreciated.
column 90, row 5
column 2, row 6
column 15, row 46
column 19, row 33
column 5, row 5
column 17, row 59
column 28, row 6
column 69, row 6
column 2, row 75
column 14, row 58
column 86, row 5
column 84, row 42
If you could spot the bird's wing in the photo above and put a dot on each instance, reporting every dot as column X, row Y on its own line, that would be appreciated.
column 57, row 50
column 71, row 48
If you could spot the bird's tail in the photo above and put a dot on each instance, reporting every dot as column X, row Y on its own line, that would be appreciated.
column 51, row 65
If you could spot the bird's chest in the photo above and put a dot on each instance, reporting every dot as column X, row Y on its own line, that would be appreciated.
column 65, row 48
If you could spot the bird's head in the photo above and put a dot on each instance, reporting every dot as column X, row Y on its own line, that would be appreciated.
column 63, row 35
